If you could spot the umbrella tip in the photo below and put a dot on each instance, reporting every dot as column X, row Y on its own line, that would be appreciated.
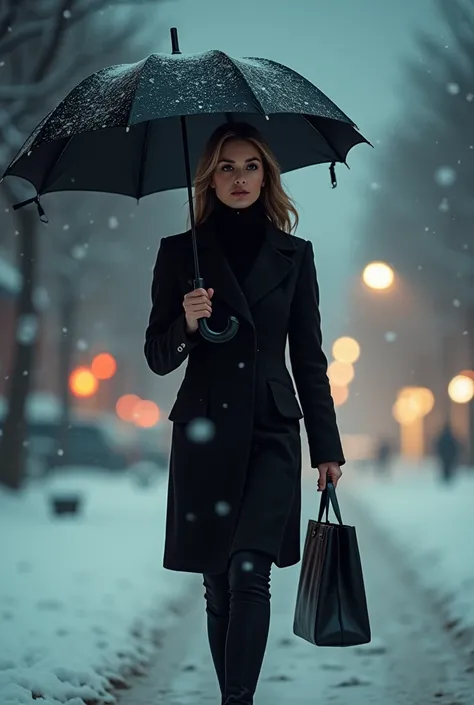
column 174, row 41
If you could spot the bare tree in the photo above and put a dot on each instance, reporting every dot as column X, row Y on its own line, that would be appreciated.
column 47, row 47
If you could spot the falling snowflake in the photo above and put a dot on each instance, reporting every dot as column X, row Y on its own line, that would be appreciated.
column 453, row 88
column 27, row 328
column 113, row 222
column 222, row 508
column 190, row 516
column 390, row 336
column 82, row 345
column 445, row 176
column 200, row 430
column 456, row 303
column 79, row 251
column 444, row 205
column 241, row 365
column 247, row 566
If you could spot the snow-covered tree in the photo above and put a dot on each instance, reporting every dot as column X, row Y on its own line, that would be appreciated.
column 420, row 217
column 46, row 47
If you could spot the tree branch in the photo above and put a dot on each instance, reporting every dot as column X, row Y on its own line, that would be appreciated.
column 35, row 28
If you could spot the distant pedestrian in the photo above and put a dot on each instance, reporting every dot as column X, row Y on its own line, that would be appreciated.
column 384, row 453
column 448, row 450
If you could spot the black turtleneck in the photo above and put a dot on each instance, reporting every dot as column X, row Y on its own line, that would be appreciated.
column 240, row 233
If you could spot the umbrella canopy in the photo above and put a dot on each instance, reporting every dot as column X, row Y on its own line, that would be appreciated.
column 137, row 129
column 119, row 130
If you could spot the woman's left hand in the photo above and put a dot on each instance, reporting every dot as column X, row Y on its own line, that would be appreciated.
column 330, row 471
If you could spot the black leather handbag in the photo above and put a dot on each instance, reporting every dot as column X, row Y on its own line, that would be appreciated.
column 331, row 605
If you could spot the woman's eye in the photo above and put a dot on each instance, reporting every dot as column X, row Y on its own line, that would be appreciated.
column 228, row 167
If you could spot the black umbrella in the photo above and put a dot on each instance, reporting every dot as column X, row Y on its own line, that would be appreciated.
column 113, row 128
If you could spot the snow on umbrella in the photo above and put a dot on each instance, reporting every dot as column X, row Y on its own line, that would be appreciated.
column 117, row 129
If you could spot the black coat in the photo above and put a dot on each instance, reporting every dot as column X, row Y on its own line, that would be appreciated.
column 237, row 385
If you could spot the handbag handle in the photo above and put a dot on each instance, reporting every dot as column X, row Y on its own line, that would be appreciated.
column 328, row 496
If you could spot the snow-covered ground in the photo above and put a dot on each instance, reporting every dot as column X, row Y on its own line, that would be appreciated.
column 81, row 599
column 433, row 525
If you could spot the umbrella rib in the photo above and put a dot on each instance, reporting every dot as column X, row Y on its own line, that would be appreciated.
column 239, row 71
column 343, row 161
column 54, row 165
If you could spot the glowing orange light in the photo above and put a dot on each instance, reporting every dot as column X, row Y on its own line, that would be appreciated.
column 339, row 394
column 461, row 389
column 126, row 405
column 82, row 382
column 146, row 413
column 378, row 275
column 346, row 350
column 421, row 397
column 104, row 366
column 340, row 373
column 467, row 373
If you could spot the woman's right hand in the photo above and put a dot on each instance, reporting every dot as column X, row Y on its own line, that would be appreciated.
column 197, row 304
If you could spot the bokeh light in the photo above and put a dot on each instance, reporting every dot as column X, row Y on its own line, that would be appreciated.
column 339, row 394
column 82, row 382
column 378, row 275
column 468, row 373
column 340, row 373
column 146, row 413
column 125, row 406
column 104, row 366
column 406, row 410
column 461, row 389
column 422, row 397
column 346, row 350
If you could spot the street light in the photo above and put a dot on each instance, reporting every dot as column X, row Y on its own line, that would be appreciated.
column 339, row 394
column 461, row 389
column 346, row 350
column 104, row 366
column 146, row 413
column 125, row 406
column 83, row 382
column 410, row 408
column 340, row 373
column 378, row 275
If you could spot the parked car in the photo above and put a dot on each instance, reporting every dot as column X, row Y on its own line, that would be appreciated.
column 88, row 445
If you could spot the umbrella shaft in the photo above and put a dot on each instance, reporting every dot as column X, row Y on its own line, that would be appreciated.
column 187, row 166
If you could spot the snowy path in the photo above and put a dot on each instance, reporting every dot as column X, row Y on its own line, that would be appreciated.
column 411, row 660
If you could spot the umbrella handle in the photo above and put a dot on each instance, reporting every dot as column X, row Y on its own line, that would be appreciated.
column 216, row 336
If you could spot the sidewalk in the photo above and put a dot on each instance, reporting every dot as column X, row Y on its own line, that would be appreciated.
column 433, row 526
column 410, row 660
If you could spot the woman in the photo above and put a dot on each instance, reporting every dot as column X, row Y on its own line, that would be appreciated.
column 234, row 495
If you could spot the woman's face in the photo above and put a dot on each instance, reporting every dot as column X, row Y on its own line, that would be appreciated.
column 238, row 178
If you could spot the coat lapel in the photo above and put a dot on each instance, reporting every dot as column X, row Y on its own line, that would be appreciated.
column 272, row 265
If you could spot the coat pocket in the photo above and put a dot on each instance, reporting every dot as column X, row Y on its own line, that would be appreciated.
column 285, row 399
column 190, row 404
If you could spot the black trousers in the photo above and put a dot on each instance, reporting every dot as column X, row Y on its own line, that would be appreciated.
column 238, row 621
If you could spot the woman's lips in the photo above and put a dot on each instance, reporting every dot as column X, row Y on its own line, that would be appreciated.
column 240, row 193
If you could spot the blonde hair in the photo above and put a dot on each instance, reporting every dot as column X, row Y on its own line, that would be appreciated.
column 277, row 203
